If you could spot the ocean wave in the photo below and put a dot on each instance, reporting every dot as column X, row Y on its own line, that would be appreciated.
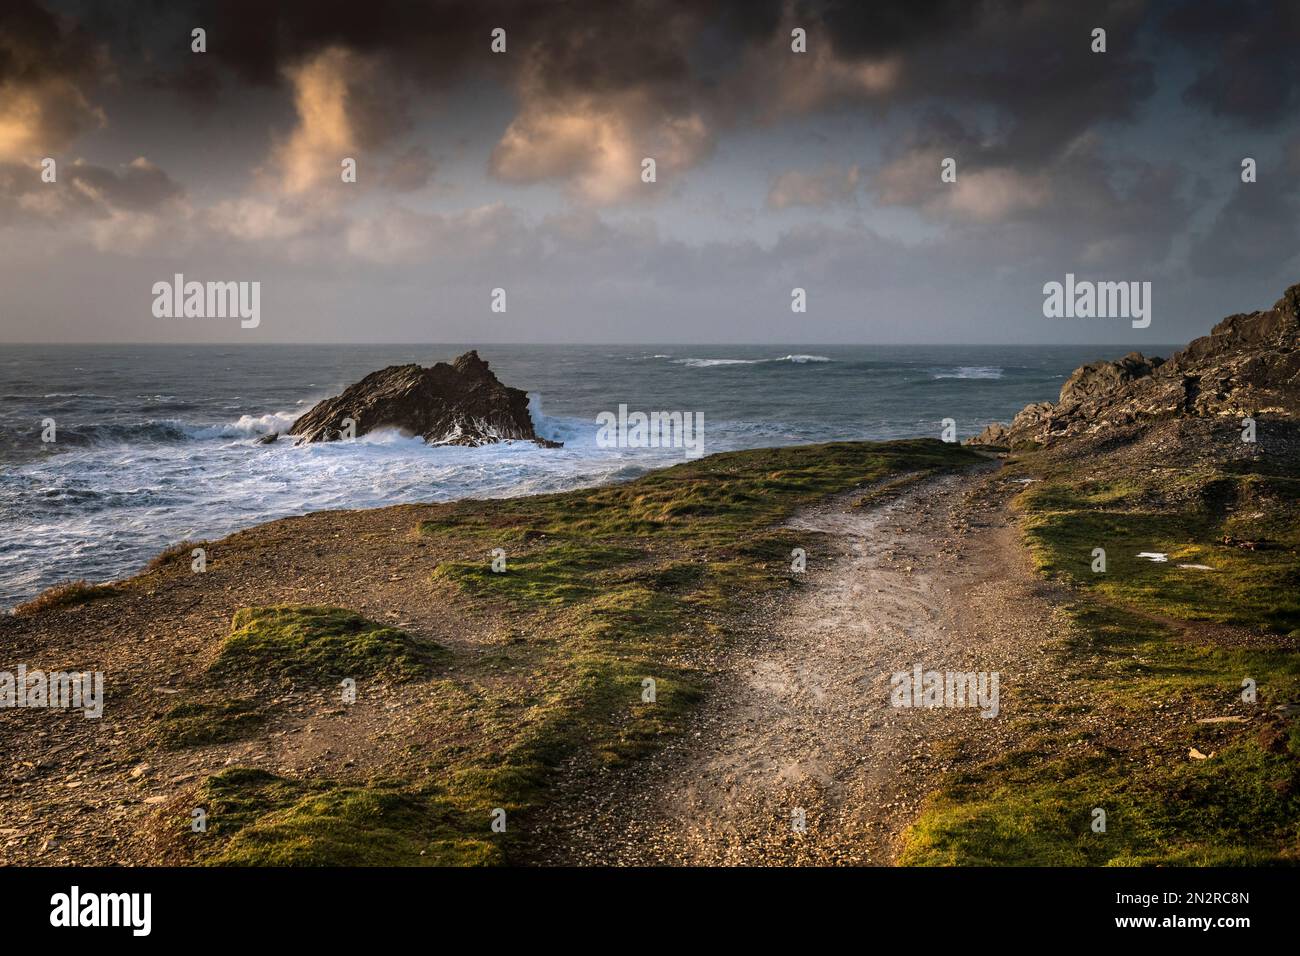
column 968, row 371
column 152, row 431
column 248, row 426
column 173, row 430
column 565, row 430
column 710, row 363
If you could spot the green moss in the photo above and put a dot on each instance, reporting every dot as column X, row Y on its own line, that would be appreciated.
column 259, row 819
column 1241, row 807
column 197, row 723
column 1140, row 643
column 728, row 492
column 1135, row 661
column 319, row 642
column 1201, row 517
column 561, row 574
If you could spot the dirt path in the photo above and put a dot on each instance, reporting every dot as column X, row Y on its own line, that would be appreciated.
column 802, row 719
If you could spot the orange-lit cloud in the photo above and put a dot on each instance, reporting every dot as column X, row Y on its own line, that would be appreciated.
column 347, row 106
column 596, row 143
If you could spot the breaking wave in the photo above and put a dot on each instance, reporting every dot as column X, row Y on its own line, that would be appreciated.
column 712, row 362
column 968, row 371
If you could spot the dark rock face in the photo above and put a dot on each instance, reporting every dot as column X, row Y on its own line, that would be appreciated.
column 1249, row 364
column 458, row 404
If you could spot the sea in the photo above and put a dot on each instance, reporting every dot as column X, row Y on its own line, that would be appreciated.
column 156, row 444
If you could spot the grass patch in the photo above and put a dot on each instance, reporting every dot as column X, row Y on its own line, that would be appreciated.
column 721, row 495
column 1241, row 807
column 562, row 574
column 68, row 594
column 319, row 642
column 259, row 819
column 180, row 553
column 1246, row 528
column 1137, row 661
column 199, row 723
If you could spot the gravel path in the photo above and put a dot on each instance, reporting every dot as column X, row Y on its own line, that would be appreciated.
column 801, row 719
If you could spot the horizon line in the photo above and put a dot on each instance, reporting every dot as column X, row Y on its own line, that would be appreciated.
column 1026, row 345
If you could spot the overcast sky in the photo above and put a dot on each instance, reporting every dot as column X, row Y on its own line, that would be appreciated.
column 522, row 170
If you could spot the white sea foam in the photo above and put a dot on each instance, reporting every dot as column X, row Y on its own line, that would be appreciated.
column 969, row 371
column 712, row 362
column 248, row 426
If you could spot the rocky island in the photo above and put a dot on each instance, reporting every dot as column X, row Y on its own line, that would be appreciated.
column 461, row 403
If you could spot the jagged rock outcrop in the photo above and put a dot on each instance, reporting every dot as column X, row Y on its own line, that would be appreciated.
column 458, row 404
column 995, row 434
column 1249, row 364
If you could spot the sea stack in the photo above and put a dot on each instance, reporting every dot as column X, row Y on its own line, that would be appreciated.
column 462, row 403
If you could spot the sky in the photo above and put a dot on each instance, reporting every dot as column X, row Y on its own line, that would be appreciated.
column 522, row 170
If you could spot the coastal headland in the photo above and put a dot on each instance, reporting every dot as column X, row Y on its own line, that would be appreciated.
column 695, row 666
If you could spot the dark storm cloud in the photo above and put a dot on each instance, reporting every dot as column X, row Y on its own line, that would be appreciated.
column 1257, row 232
column 599, row 46
column 1030, row 58
column 137, row 186
column 860, row 29
column 1026, row 66
column 1246, row 51
column 1033, row 64
column 1027, row 58
column 1020, row 72
column 34, row 44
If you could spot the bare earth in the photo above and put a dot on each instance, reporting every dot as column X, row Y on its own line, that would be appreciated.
column 802, row 718
column 93, row 791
